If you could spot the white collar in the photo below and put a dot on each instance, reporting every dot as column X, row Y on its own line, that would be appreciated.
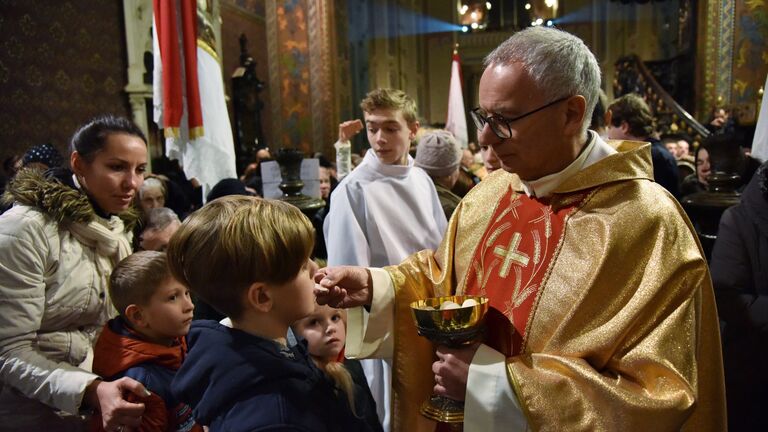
column 385, row 169
column 595, row 150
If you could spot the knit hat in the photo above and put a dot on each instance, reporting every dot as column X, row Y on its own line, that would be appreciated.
column 45, row 154
column 438, row 153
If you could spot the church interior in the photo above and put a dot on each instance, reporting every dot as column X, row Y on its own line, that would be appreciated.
column 288, row 78
column 63, row 63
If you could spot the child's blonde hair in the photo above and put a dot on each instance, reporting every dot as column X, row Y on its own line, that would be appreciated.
column 136, row 278
column 390, row 99
column 234, row 241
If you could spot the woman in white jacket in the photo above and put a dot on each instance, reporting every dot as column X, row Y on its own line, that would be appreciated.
column 58, row 245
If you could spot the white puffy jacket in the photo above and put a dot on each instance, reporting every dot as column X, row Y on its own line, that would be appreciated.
column 53, row 301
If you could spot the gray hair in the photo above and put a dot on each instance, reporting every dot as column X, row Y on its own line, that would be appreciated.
column 159, row 218
column 151, row 183
column 559, row 63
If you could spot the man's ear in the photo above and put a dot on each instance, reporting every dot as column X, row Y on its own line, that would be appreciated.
column 135, row 316
column 259, row 297
column 624, row 128
column 576, row 108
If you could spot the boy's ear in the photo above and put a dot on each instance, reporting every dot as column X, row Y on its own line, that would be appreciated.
column 413, row 127
column 259, row 297
column 135, row 316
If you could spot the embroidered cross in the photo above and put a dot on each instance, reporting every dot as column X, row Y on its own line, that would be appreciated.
column 509, row 255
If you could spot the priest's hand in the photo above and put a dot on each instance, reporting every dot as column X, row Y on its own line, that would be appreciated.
column 452, row 369
column 344, row 286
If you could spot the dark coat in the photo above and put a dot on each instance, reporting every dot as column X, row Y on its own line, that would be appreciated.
column 740, row 277
column 665, row 170
column 236, row 381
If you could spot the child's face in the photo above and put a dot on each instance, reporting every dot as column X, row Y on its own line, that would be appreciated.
column 168, row 314
column 389, row 135
column 325, row 332
column 296, row 298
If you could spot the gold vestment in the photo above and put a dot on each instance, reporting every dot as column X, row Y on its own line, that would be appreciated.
column 624, row 334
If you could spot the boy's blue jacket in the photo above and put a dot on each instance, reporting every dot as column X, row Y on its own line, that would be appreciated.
column 236, row 381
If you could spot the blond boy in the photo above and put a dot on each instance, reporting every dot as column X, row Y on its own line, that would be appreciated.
column 249, row 259
column 384, row 210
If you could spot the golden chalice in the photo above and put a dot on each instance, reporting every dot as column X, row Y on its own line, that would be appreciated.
column 452, row 321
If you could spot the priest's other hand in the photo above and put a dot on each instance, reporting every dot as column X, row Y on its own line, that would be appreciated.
column 452, row 369
column 343, row 286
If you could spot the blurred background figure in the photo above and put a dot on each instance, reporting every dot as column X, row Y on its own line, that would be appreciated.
column 697, row 182
column 630, row 118
column 491, row 162
column 226, row 187
column 152, row 194
column 42, row 157
column 721, row 122
column 161, row 223
column 439, row 154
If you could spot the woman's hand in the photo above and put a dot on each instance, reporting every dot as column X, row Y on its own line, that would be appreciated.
column 117, row 414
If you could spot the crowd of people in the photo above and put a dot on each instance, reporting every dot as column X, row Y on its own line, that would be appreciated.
column 128, row 304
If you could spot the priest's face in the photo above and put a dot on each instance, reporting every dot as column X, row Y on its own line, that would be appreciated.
column 537, row 145
column 390, row 135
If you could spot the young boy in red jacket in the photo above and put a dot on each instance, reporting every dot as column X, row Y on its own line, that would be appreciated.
column 147, row 340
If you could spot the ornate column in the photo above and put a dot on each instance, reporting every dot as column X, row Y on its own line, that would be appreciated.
column 301, row 46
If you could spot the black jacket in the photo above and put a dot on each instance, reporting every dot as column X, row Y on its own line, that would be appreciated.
column 236, row 381
column 740, row 277
column 665, row 170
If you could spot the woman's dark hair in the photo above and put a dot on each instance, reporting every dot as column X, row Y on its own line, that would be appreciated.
column 92, row 136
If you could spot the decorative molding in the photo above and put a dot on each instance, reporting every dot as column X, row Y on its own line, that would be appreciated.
column 725, row 50
column 138, row 40
column 273, row 61
column 710, row 54
column 318, row 62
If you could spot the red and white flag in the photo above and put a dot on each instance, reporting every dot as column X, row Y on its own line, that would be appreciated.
column 188, row 93
column 456, row 122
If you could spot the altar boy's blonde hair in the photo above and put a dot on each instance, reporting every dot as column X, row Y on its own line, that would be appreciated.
column 235, row 241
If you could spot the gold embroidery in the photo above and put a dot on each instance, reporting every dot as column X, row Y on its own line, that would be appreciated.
column 496, row 233
column 510, row 255
column 514, row 203
column 546, row 216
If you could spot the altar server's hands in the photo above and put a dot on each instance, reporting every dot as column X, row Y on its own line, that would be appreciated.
column 452, row 369
column 343, row 286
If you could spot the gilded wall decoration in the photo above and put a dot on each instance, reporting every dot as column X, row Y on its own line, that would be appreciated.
column 750, row 50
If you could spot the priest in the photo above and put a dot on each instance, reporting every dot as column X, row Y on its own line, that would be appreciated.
column 602, row 312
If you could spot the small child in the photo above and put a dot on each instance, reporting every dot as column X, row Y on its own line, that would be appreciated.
column 146, row 341
column 249, row 259
column 325, row 332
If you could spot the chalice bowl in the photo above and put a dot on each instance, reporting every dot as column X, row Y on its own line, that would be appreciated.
column 453, row 321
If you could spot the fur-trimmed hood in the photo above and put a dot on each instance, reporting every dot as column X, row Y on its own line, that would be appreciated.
column 63, row 203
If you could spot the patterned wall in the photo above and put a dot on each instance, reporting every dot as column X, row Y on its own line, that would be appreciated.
column 735, row 54
column 750, row 50
column 289, row 74
column 61, row 63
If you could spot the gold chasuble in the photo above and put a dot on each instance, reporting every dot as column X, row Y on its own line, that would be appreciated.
column 601, row 302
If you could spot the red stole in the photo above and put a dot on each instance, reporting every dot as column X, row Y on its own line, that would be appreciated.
column 512, row 262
